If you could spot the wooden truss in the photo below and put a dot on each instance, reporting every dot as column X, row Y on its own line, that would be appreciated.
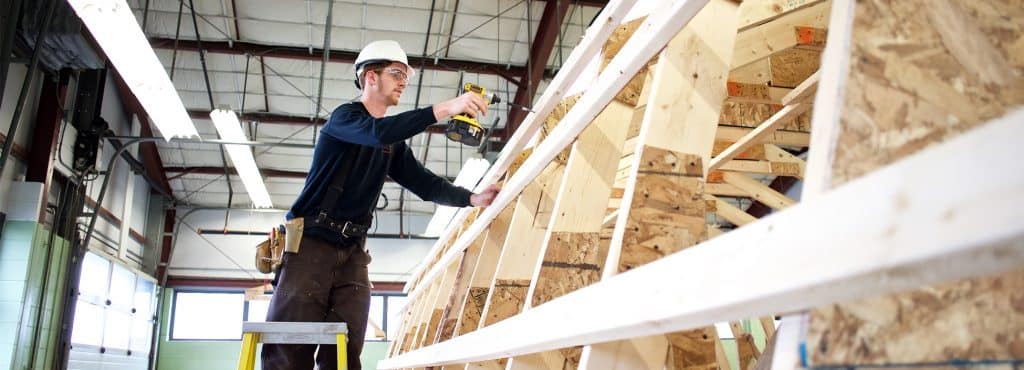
column 621, row 238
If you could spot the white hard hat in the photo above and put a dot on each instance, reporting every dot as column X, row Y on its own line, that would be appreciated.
column 381, row 51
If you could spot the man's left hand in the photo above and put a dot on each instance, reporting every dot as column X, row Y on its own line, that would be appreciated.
column 485, row 197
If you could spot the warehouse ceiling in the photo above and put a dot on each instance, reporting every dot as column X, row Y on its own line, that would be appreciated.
column 264, row 58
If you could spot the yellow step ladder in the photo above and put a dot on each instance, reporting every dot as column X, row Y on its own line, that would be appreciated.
column 292, row 333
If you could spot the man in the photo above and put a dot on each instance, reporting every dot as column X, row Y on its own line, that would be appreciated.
column 327, row 280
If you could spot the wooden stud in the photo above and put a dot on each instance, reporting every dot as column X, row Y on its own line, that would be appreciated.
column 483, row 273
column 757, row 135
column 920, row 246
column 663, row 209
column 755, row 13
column 765, row 40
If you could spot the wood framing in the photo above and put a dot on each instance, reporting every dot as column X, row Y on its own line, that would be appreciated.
column 623, row 250
column 914, row 245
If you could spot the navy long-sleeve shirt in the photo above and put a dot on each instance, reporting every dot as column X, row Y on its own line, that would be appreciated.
column 351, row 124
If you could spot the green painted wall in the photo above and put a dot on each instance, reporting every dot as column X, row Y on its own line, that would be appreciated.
column 23, row 247
column 204, row 355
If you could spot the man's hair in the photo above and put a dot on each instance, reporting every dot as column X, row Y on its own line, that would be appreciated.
column 373, row 66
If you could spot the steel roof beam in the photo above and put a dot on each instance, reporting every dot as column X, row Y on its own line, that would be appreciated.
column 302, row 53
column 540, row 52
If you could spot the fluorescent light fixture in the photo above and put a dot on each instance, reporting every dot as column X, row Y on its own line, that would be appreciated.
column 114, row 27
column 468, row 177
column 230, row 129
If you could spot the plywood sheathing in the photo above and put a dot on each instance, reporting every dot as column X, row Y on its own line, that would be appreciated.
column 668, row 207
column 692, row 350
column 921, row 72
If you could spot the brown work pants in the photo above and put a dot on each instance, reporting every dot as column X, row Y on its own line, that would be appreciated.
column 321, row 283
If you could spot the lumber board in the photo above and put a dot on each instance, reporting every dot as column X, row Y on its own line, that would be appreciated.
column 755, row 13
column 663, row 208
column 756, row 93
column 803, row 92
column 730, row 212
column 765, row 40
column 656, row 31
column 571, row 247
column 869, row 257
column 757, row 72
column 593, row 40
column 783, row 163
column 521, row 249
column 957, row 65
column 460, row 291
column 779, row 137
column 483, row 273
column 757, row 135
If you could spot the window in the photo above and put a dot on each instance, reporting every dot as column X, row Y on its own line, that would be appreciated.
column 199, row 315
column 114, row 311
column 207, row 315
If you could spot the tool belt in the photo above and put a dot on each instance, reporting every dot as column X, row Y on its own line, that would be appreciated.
column 347, row 229
column 283, row 239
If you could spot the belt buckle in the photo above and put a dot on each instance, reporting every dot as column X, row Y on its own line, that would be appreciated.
column 320, row 217
column 344, row 229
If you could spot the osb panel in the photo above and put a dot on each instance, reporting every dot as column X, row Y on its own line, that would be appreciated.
column 692, row 349
column 435, row 320
column 663, row 161
column 971, row 319
column 572, row 357
column 517, row 163
column 554, row 119
column 755, row 152
column 753, row 114
column 629, row 94
column 472, row 310
column 785, row 169
column 507, row 300
column 571, row 262
column 618, row 39
column 793, row 66
column 921, row 72
column 747, row 90
column 667, row 215
column 902, row 96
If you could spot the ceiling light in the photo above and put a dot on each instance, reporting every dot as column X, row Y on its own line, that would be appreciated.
column 114, row 27
column 230, row 129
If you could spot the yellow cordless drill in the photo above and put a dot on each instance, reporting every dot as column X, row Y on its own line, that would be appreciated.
column 465, row 129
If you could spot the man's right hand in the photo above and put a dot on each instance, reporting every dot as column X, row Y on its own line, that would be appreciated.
column 468, row 103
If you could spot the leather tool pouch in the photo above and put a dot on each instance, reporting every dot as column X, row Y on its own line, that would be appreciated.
column 293, row 234
column 268, row 253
